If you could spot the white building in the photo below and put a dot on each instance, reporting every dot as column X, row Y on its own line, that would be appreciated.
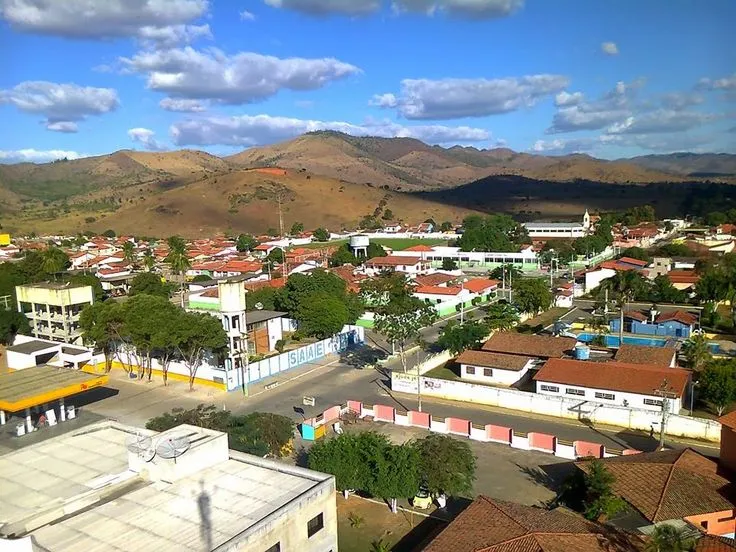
column 494, row 368
column 53, row 309
column 114, row 487
column 525, row 258
column 561, row 230
column 411, row 265
column 614, row 383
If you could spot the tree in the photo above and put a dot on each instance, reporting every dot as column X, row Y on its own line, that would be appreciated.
column 200, row 334
column 600, row 500
column 12, row 323
column 266, row 296
column 674, row 250
column 148, row 283
column 177, row 259
column 166, row 339
column 129, row 252
column 321, row 234
column 696, row 352
column 199, row 278
column 507, row 272
column 245, row 242
column 321, row 315
column 300, row 286
column 397, row 473
column 401, row 320
column 101, row 325
column 141, row 319
column 636, row 253
column 343, row 457
column 388, row 214
column 501, row 316
column 668, row 538
column 447, row 465
column 54, row 260
column 458, row 337
column 296, row 229
column 717, row 384
column 532, row 295
column 662, row 291
column 449, row 264
column 343, row 256
column 109, row 233
column 562, row 250
column 446, row 226
column 625, row 285
column 149, row 261
column 491, row 233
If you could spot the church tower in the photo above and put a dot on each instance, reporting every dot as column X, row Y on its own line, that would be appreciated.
column 586, row 220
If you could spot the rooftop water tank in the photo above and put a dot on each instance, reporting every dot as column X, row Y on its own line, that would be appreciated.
column 359, row 240
column 582, row 352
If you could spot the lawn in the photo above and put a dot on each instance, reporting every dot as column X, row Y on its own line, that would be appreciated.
column 447, row 371
column 397, row 244
column 361, row 522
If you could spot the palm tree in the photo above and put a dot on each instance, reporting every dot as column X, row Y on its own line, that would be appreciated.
column 178, row 260
column 149, row 261
column 667, row 538
column 128, row 252
column 696, row 351
column 54, row 260
column 624, row 284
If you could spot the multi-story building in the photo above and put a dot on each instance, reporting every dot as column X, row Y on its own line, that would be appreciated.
column 53, row 309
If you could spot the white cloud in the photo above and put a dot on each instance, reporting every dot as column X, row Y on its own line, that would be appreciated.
column 36, row 156
column 62, row 126
column 241, row 78
column 725, row 83
column 245, row 15
column 609, row 48
column 326, row 7
column 457, row 98
column 145, row 137
column 681, row 100
column 564, row 99
column 60, row 103
column 580, row 114
column 181, row 105
column 384, row 100
column 97, row 19
column 661, row 120
column 660, row 143
column 559, row 146
column 247, row 130
column 476, row 9
column 173, row 35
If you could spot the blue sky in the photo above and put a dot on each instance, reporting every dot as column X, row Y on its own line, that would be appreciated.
column 610, row 78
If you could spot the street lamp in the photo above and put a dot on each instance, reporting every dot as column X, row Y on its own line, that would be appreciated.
column 693, row 385
column 462, row 300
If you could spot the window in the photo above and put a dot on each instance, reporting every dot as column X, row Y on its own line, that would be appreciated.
column 653, row 402
column 573, row 391
column 488, row 372
column 226, row 323
column 607, row 396
column 470, row 370
column 275, row 548
column 315, row 525
column 551, row 388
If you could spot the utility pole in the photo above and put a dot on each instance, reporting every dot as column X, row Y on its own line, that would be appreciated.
column 281, row 215
column 666, row 392
column 419, row 384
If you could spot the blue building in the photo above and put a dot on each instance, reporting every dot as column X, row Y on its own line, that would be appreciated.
column 669, row 324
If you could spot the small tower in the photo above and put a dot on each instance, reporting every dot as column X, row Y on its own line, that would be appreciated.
column 586, row 220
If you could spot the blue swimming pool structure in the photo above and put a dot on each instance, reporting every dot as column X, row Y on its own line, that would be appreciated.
column 612, row 340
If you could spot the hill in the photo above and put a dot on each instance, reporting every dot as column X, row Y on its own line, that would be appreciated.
column 691, row 164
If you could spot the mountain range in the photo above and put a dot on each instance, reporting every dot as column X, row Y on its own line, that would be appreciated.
column 327, row 179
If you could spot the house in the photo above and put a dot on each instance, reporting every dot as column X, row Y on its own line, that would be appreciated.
column 683, row 279
column 625, row 263
column 484, row 288
column 614, row 383
column 728, row 441
column 440, row 294
column 411, row 266
column 677, row 323
column 672, row 486
column 350, row 276
column 494, row 368
column 639, row 354
column 27, row 352
column 425, row 228
column 529, row 345
column 489, row 525
column 392, row 227
column 559, row 230
column 435, row 279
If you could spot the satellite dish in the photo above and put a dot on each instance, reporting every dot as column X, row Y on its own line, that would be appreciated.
column 172, row 447
column 142, row 446
column 258, row 306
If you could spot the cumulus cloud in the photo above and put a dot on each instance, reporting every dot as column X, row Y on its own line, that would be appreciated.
column 560, row 146
column 564, row 99
column 576, row 113
column 90, row 19
column 725, row 83
column 661, row 120
column 245, row 15
column 173, row 35
column 61, row 104
column 609, row 48
column 237, row 79
column 458, row 98
column 476, row 9
column 681, row 100
column 383, row 100
column 660, row 143
column 247, row 130
column 182, row 105
column 327, row 7
column 145, row 137
column 36, row 156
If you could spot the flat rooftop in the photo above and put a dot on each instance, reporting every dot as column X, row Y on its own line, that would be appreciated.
column 227, row 495
column 30, row 387
column 253, row 317
column 32, row 346
column 53, row 285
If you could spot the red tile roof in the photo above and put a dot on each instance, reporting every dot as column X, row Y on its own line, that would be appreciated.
column 437, row 290
column 683, row 276
column 641, row 379
column 636, row 315
column 420, row 248
column 637, row 354
column 542, row 346
column 670, row 484
column 260, row 284
column 631, row 261
column 242, row 266
column 493, row 360
column 680, row 316
column 480, row 284
column 729, row 420
column 711, row 543
column 495, row 526
column 434, row 279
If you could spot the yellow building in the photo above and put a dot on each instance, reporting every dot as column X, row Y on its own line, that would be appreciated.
column 4, row 239
column 53, row 309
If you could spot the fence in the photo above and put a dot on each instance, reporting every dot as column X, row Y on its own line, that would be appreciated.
column 560, row 407
column 488, row 433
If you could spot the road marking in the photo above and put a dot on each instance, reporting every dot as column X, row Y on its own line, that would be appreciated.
column 297, row 377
